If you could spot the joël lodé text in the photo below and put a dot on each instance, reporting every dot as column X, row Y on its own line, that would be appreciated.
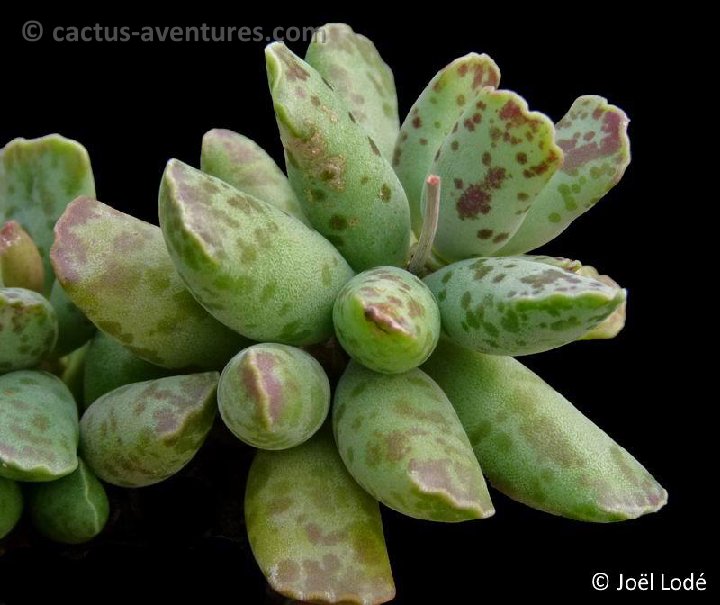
column 662, row 581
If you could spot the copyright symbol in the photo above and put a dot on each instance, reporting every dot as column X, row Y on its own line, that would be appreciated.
column 600, row 581
column 32, row 31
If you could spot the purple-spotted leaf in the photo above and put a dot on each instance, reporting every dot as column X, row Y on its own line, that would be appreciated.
column 493, row 163
column 21, row 265
column 514, row 306
column 254, row 267
column 387, row 320
column 109, row 365
column 38, row 427
column 28, row 329
column 347, row 189
column 431, row 119
column 143, row 433
column 42, row 176
column 273, row 396
column 71, row 510
column 316, row 535
column 402, row 441
column 11, row 506
column 245, row 165
column 593, row 135
column 117, row 270
column 535, row 447
column 359, row 76
column 613, row 324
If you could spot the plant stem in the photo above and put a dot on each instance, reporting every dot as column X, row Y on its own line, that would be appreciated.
column 429, row 228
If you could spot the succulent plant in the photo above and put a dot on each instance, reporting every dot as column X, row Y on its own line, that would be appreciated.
column 356, row 321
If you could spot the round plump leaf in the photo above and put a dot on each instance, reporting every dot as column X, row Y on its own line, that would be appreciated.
column 71, row 510
column 28, row 329
column 38, row 427
column 273, row 396
column 141, row 434
column 387, row 319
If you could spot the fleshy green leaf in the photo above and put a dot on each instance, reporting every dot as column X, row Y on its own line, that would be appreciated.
column 593, row 135
column 42, row 176
column 245, row 165
column 38, row 427
column 73, row 372
column 143, row 433
column 387, row 319
column 109, row 365
column 11, row 506
column 535, row 447
column 255, row 268
column 117, row 270
column 347, row 189
column 613, row 324
column 402, row 441
column 74, row 328
column 273, row 396
column 431, row 119
column 359, row 76
column 71, row 510
column 493, row 163
column 316, row 535
column 514, row 306
column 28, row 329
column 21, row 265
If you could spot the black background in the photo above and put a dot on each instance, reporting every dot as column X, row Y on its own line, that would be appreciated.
column 136, row 105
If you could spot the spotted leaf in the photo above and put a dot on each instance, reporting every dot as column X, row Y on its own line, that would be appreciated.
column 593, row 135
column 11, row 506
column 74, row 329
column 117, row 270
column 359, row 76
column 402, row 441
column 71, row 510
column 316, row 535
column 387, row 319
column 493, row 163
column 21, row 265
column 535, row 446
column 245, row 165
column 613, row 324
column 431, row 119
column 143, row 433
column 273, row 396
column 347, row 189
column 255, row 268
column 512, row 306
column 42, row 176
column 38, row 427
column 28, row 329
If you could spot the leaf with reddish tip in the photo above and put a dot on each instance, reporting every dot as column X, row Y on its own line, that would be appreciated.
column 143, row 433
column 360, row 77
column 316, row 535
column 21, row 265
column 593, row 135
column 273, row 396
column 71, row 510
column 42, row 176
column 431, row 119
column 11, row 506
column 514, row 306
column 118, row 272
column 535, row 447
column 28, row 329
column 38, row 427
column 245, row 165
column 347, row 189
column 497, row 158
column 402, row 441
column 255, row 268
column 613, row 324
